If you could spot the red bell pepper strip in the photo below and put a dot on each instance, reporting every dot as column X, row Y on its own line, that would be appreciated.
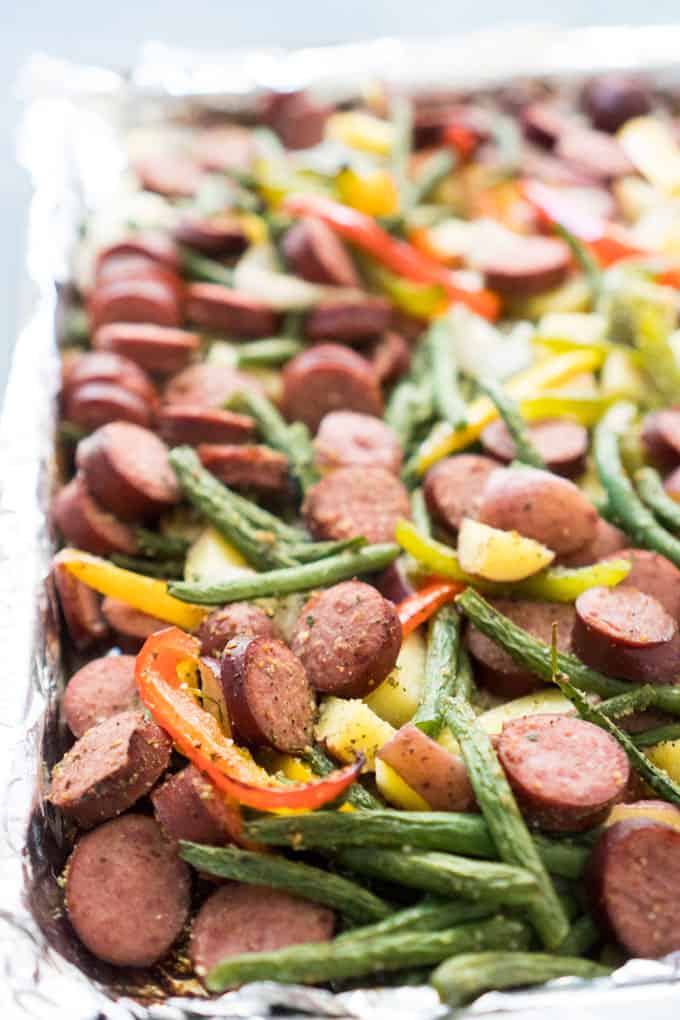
column 198, row 736
column 463, row 139
column 669, row 277
column 424, row 603
column 399, row 256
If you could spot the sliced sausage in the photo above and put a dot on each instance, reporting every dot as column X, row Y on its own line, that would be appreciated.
column 269, row 697
column 544, row 121
column 634, row 880
column 206, row 385
column 148, row 298
column 495, row 669
column 661, row 436
column 348, row 638
column 132, row 627
column 539, row 505
column 126, row 468
column 594, row 153
column 355, row 501
column 157, row 349
column 348, row 320
column 101, row 688
column 170, row 174
column 390, row 356
column 86, row 525
column 346, row 438
column 613, row 98
column 453, row 487
column 188, row 806
column 654, row 575
column 112, row 369
column 127, row 892
column 548, row 168
column 526, row 265
column 249, row 466
column 192, row 424
column 218, row 235
column 565, row 773
column 626, row 633
column 329, row 378
column 439, row 777
column 297, row 119
column 153, row 245
column 238, row 619
column 562, row 444
column 95, row 404
column 605, row 545
column 315, row 253
column 672, row 485
column 111, row 766
column 80, row 606
column 250, row 919
column 132, row 266
column 223, row 310
column 394, row 582
column 224, row 147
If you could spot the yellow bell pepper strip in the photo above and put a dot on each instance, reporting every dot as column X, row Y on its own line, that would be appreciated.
column 481, row 412
column 398, row 256
column 424, row 300
column 586, row 410
column 651, row 148
column 361, row 131
column 556, row 584
column 147, row 594
column 198, row 736
column 374, row 193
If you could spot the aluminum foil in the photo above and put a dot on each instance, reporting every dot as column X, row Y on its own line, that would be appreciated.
column 72, row 144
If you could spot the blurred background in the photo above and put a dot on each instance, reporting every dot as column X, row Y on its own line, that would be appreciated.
column 112, row 34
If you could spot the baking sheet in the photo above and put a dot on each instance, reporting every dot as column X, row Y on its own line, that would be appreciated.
column 71, row 144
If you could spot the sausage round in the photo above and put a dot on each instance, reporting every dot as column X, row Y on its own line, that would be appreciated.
column 188, row 423
column 224, row 147
column 269, row 697
column 156, row 349
column 661, row 436
column 127, row 892
column 99, row 689
column 566, row 773
column 170, row 174
column 539, row 505
column 626, row 633
column 217, row 235
column 605, row 545
column 329, row 378
column 439, row 777
column 132, row 627
column 238, row 619
column 187, row 806
column 654, row 575
column 86, row 525
column 594, row 153
column 250, row 466
column 348, row 638
column 206, row 386
column 148, row 298
column 543, row 122
column 126, row 468
column 634, row 880
column 112, row 369
column 390, row 356
column 496, row 670
column 528, row 265
column 348, row 320
column 218, row 308
column 313, row 251
column 346, row 439
column 80, row 607
column 95, row 404
column 355, row 501
column 453, row 487
column 562, row 444
column 155, row 246
column 613, row 98
column 111, row 766
column 249, row 919
column 297, row 120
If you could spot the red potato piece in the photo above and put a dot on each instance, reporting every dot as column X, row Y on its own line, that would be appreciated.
column 296, row 118
column 249, row 466
column 156, row 349
column 606, row 543
column 132, row 627
column 269, row 698
column 242, row 918
column 157, row 247
column 187, row 806
column 390, row 357
column 99, row 689
column 356, row 501
column 565, row 773
column 112, row 369
column 80, row 607
column 562, row 444
column 346, row 438
column 186, row 423
column 219, row 235
column 223, row 310
column 170, row 174
column 315, row 253
column 439, row 777
column 348, row 320
column 109, row 768
column 495, row 669
column 594, row 153
column 654, row 575
column 453, row 488
column 661, row 436
column 224, row 147
column 154, row 297
column 633, row 877
column 88, row 526
column 127, row 892
column 539, row 505
column 206, row 386
column 95, row 404
column 126, row 468
column 528, row 266
column 348, row 637
column 238, row 619
column 613, row 98
column 327, row 378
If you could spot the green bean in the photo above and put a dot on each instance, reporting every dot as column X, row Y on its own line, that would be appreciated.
column 419, row 512
column 429, row 915
column 587, row 263
column 440, row 668
column 448, row 401
column 198, row 267
column 637, row 700
column 402, row 122
column 409, row 408
column 651, row 491
column 357, row 795
column 75, row 328
column 508, row 409
column 263, row 519
column 310, row 552
column 69, row 432
column 581, row 938
column 272, row 351
column 656, row 735
column 154, row 545
column 166, row 569
column 464, row 685
column 437, row 167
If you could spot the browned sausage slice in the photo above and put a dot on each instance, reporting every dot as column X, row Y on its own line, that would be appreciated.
column 126, row 468
column 223, row 310
column 250, row 919
column 390, row 356
column 192, row 424
column 562, row 444
column 224, row 147
column 634, row 877
column 453, row 487
column 111, row 368
column 544, row 121
column 250, row 466
column 329, row 378
column 495, row 668
column 101, row 688
column 654, row 575
column 188, row 806
column 127, row 892
column 148, row 298
column 528, row 265
column 661, row 436
column 613, row 98
column 539, row 505
column 80, row 606
column 295, row 117
column 152, row 245
column 169, row 174
column 238, row 619
column 86, row 525
column 156, row 349
column 594, row 153
column 269, row 697
column 206, row 385
column 132, row 627
column 349, row 320
column 95, row 404
column 605, row 544
column 355, row 501
column 218, row 235
column 348, row 638
column 437, row 775
column 315, row 253
column 566, row 773
column 346, row 438
column 111, row 766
